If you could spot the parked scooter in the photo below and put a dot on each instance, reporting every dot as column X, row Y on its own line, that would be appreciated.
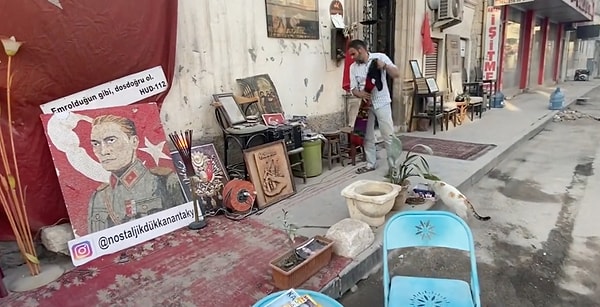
column 582, row 75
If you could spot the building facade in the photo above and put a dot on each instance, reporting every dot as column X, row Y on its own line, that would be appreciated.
column 537, row 42
column 221, row 41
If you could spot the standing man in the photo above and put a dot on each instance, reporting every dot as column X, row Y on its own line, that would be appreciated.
column 379, row 99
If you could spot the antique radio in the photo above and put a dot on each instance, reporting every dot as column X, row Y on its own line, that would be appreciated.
column 291, row 134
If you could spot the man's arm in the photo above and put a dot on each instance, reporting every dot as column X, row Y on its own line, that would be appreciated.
column 386, row 64
column 354, row 85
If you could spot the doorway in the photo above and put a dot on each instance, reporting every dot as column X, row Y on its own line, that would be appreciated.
column 385, row 10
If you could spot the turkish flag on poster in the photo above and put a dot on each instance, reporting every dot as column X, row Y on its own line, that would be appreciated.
column 347, row 62
column 428, row 47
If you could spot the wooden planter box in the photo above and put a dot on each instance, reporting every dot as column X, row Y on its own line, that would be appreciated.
column 303, row 271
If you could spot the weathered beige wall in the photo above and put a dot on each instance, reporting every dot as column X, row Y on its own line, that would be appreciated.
column 219, row 41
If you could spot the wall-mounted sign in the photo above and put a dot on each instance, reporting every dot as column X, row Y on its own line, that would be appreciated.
column 491, row 46
column 509, row 2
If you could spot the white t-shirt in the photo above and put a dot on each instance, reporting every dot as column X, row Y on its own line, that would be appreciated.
column 358, row 77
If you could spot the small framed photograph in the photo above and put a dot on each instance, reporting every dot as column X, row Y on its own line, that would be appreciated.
column 432, row 85
column 416, row 69
column 273, row 119
column 231, row 108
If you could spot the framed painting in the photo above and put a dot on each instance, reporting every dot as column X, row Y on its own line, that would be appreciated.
column 232, row 110
column 261, row 87
column 416, row 69
column 270, row 172
column 273, row 119
column 432, row 85
column 208, row 166
column 113, row 165
column 295, row 19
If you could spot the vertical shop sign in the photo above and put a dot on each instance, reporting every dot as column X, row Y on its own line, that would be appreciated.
column 491, row 44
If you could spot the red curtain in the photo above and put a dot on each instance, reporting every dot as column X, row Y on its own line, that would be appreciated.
column 84, row 44
column 428, row 47
column 347, row 62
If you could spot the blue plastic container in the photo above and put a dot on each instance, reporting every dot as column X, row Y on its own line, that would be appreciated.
column 320, row 298
column 498, row 100
column 557, row 100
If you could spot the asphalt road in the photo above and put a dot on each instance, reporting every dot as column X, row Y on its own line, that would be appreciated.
column 542, row 245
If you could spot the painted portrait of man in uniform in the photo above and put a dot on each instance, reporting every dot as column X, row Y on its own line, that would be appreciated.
column 113, row 165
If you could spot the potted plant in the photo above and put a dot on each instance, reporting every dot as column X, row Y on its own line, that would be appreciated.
column 301, row 261
column 463, row 97
column 413, row 164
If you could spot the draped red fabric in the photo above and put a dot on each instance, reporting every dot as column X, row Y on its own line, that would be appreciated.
column 347, row 62
column 84, row 44
column 428, row 47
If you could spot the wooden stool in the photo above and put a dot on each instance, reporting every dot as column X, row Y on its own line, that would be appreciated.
column 333, row 150
column 298, row 166
column 350, row 150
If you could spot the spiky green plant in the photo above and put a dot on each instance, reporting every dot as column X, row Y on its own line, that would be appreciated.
column 413, row 165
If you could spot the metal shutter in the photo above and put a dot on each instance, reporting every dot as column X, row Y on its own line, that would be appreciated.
column 431, row 62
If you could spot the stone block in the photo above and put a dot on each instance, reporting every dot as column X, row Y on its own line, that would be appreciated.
column 350, row 237
column 55, row 238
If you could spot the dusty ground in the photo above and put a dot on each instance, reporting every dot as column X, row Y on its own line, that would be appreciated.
column 542, row 245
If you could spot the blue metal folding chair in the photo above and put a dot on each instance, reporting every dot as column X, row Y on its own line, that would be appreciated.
column 428, row 229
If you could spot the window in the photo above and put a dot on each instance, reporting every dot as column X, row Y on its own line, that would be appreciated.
column 432, row 61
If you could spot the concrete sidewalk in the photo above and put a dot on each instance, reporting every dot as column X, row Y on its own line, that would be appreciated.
column 318, row 204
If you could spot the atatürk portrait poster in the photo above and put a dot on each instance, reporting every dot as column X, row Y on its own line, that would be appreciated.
column 113, row 165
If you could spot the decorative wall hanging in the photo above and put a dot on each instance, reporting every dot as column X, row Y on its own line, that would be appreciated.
column 292, row 19
column 208, row 167
column 262, row 87
column 269, row 169
column 113, row 165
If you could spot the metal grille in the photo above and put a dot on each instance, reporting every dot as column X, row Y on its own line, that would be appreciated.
column 368, row 14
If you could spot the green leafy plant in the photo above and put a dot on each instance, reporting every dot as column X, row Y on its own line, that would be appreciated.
column 413, row 164
column 290, row 230
column 463, row 97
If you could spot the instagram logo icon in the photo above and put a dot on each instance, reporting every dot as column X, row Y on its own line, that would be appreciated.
column 81, row 250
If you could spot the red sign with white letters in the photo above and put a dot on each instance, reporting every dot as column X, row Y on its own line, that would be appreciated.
column 491, row 43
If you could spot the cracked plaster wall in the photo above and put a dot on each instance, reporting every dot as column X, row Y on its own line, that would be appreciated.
column 220, row 41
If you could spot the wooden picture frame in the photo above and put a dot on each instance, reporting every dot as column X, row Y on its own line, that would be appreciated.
column 432, row 85
column 270, row 158
column 416, row 69
column 232, row 110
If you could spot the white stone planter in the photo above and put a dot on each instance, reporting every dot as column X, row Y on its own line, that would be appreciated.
column 369, row 201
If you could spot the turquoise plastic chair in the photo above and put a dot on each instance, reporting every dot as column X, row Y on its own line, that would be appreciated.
column 428, row 229
column 319, row 297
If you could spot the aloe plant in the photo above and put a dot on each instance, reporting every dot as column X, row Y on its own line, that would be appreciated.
column 413, row 164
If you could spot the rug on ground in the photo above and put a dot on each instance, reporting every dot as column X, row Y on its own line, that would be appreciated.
column 447, row 148
column 225, row 264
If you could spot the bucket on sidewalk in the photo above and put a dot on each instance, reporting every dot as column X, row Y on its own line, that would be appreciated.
column 557, row 100
column 313, row 165
column 497, row 100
